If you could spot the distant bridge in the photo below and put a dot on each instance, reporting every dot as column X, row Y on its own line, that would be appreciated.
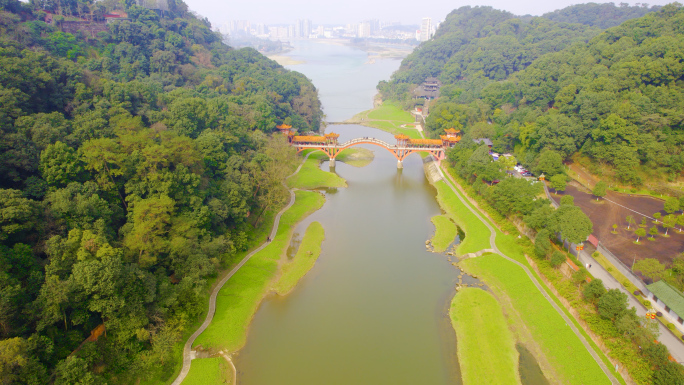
column 404, row 147
column 345, row 122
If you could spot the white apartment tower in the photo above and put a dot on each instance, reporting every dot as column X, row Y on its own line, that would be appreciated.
column 303, row 28
column 426, row 29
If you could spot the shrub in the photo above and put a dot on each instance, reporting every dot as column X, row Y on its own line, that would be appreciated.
column 557, row 258
column 594, row 290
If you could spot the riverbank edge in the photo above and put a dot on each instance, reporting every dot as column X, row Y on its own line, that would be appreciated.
column 445, row 232
column 311, row 177
column 363, row 119
column 252, row 283
column 507, row 243
column 292, row 271
column 217, row 283
column 486, row 347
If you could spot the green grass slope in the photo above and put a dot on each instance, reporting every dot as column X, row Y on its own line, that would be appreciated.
column 309, row 250
column 486, row 349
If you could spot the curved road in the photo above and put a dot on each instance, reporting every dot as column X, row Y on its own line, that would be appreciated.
column 492, row 241
column 187, row 348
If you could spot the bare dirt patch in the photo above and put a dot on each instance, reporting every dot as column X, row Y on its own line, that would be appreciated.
column 604, row 214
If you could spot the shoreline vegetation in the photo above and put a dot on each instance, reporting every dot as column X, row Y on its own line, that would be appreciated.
column 293, row 270
column 356, row 157
column 486, row 349
column 250, row 284
column 311, row 177
column 445, row 233
column 268, row 271
column 212, row 370
column 388, row 117
column 531, row 317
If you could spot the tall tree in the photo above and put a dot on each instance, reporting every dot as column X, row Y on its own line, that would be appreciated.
column 599, row 190
column 572, row 223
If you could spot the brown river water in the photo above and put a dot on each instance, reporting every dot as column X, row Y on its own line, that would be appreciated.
column 374, row 308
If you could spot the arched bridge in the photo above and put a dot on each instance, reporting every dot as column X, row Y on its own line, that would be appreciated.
column 404, row 147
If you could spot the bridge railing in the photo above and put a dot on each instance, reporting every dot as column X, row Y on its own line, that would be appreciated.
column 367, row 140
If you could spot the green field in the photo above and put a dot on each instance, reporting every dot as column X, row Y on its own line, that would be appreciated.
column 388, row 117
column 357, row 157
column 529, row 311
column 390, row 111
column 311, row 177
column 309, row 250
column 477, row 234
column 510, row 245
column 239, row 298
column 208, row 371
column 486, row 349
column 445, row 232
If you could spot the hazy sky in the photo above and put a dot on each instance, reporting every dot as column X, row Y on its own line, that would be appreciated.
column 350, row 11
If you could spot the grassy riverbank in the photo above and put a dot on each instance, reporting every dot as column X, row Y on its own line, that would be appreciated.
column 445, row 232
column 388, row 117
column 312, row 177
column 255, row 238
column 356, row 157
column 239, row 298
column 486, row 349
column 309, row 250
column 209, row 371
column 536, row 322
column 477, row 234
column 534, row 318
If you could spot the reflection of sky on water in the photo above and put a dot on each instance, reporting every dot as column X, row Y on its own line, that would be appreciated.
column 346, row 85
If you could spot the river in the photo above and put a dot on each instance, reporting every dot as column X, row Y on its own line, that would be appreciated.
column 373, row 310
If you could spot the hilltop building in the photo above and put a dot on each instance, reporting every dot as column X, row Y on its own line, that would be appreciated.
column 429, row 89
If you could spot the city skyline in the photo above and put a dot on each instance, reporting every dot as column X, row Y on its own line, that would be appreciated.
column 406, row 12
column 306, row 29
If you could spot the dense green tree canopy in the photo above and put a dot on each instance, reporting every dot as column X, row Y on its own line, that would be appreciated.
column 599, row 15
column 133, row 165
column 538, row 85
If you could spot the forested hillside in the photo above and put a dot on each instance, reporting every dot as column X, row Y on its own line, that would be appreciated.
column 133, row 165
column 604, row 15
column 616, row 100
column 476, row 45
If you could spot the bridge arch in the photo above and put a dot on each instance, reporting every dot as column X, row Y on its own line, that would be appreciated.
column 400, row 150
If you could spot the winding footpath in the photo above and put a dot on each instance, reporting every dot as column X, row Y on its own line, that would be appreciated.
column 492, row 242
column 187, row 348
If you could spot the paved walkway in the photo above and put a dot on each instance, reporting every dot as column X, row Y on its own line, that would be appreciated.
column 568, row 321
column 674, row 344
column 187, row 348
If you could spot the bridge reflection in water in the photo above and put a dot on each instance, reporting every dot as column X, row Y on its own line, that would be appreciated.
column 404, row 147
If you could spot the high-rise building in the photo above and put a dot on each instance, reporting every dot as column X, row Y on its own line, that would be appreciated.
column 426, row 29
column 261, row 29
column 303, row 28
column 374, row 26
column 364, row 29
column 239, row 26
